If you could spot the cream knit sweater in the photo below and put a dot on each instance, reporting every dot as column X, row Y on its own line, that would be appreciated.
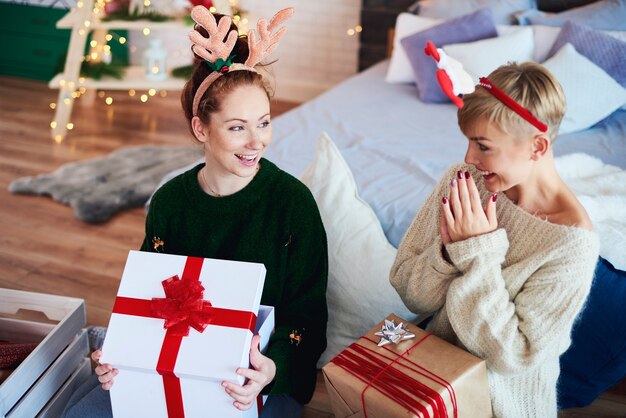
column 509, row 296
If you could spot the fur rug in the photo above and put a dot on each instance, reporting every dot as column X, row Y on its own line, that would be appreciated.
column 97, row 189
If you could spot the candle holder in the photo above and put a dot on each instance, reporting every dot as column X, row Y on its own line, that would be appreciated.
column 154, row 61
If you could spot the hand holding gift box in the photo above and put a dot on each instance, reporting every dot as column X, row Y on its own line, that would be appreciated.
column 398, row 369
column 180, row 326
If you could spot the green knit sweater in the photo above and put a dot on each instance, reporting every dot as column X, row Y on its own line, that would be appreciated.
column 274, row 220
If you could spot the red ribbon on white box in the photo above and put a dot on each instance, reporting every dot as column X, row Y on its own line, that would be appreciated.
column 179, row 329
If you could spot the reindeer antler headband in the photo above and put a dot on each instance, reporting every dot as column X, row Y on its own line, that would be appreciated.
column 216, row 51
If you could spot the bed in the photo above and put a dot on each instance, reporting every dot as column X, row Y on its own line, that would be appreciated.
column 384, row 150
column 398, row 147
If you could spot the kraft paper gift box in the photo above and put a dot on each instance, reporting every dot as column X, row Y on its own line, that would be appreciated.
column 423, row 376
column 165, row 373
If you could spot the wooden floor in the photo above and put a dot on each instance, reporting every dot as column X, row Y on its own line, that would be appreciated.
column 44, row 248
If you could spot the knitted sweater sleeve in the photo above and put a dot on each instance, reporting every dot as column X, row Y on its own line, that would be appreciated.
column 420, row 274
column 302, row 311
column 147, row 244
column 516, row 333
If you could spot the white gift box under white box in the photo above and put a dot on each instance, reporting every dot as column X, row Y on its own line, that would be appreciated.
column 133, row 343
column 31, row 385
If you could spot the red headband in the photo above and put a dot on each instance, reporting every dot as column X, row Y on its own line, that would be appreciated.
column 512, row 104
column 455, row 81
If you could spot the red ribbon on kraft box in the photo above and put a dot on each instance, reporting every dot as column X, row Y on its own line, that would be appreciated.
column 374, row 368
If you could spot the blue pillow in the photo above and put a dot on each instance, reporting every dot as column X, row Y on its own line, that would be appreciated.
column 603, row 50
column 603, row 14
column 468, row 28
column 596, row 360
column 503, row 10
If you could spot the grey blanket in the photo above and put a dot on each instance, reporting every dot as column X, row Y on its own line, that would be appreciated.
column 98, row 188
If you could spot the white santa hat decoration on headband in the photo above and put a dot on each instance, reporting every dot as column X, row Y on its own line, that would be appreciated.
column 455, row 82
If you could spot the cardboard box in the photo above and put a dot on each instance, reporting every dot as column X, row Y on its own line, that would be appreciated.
column 53, row 322
column 192, row 367
column 418, row 377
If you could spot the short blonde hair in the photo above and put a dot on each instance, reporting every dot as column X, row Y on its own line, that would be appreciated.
column 529, row 84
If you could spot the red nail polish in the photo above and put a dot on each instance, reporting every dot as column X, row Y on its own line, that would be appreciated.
column 467, row 174
column 459, row 174
column 494, row 197
column 444, row 200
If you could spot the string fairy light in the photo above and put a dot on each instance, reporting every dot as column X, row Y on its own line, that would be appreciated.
column 102, row 50
column 353, row 31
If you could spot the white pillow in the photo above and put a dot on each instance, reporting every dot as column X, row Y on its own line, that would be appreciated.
column 590, row 92
column 400, row 70
column 359, row 256
column 544, row 39
column 505, row 30
column 480, row 58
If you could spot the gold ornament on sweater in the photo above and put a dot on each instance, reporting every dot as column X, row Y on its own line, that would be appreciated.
column 158, row 245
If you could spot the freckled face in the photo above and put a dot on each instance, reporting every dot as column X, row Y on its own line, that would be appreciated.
column 504, row 161
column 238, row 135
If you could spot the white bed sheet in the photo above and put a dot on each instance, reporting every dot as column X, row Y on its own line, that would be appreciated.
column 398, row 147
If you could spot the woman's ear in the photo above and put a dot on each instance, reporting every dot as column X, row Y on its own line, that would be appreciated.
column 200, row 129
column 541, row 145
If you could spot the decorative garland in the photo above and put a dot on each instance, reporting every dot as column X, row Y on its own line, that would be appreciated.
column 183, row 72
column 98, row 70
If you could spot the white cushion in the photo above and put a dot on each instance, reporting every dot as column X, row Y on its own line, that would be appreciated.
column 504, row 30
column 359, row 256
column 400, row 70
column 590, row 92
column 544, row 39
column 480, row 58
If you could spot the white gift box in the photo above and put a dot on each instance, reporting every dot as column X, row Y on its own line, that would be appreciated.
column 53, row 322
column 137, row 342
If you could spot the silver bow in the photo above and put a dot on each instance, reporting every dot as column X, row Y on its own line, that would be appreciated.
column 392, row 333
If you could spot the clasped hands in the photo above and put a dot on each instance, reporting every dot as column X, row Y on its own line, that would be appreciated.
column 462, row 214
column 262, row 373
